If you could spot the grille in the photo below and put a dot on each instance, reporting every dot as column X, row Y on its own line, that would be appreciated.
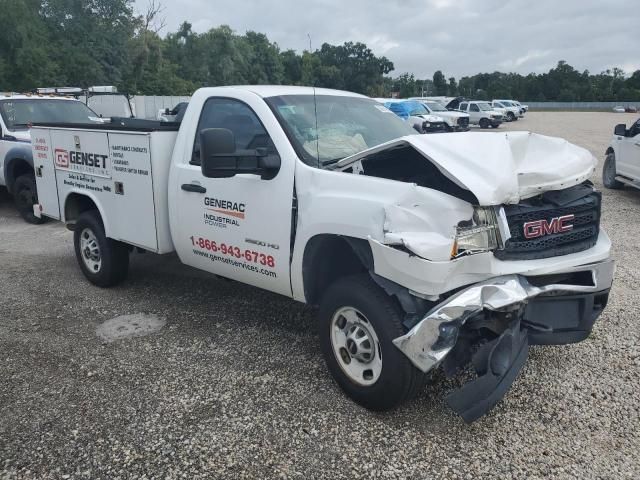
column 463, row 122
column 584, row 235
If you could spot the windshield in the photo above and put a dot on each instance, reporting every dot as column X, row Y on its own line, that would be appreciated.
column 485, row 107
column 418, row 109
column 343, row 125
column 435, row 107
column 20, row 113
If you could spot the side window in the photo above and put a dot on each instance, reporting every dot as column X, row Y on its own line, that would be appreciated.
column 474, row 108
column 236, row 116
column 463, row 107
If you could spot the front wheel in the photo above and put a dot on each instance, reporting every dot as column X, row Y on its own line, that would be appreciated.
column 358, row 322
column 511, row 117
column 609, row 173
column 105, row 262
column 26, row 196
column 484, row 123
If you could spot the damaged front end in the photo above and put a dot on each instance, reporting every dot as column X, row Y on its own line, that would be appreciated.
column 497, row 320
column 494, row 244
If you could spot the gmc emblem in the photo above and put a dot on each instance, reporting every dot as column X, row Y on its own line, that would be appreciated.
column 539, row 228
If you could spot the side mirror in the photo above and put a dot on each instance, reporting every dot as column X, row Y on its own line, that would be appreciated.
column 620, row 130
column 219, row 158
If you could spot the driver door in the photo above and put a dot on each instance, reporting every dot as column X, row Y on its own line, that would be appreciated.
column 237, row 227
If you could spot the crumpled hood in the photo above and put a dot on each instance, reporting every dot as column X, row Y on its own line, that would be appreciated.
column 500, row 168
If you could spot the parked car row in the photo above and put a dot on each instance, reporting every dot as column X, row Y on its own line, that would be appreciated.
column 454, row 114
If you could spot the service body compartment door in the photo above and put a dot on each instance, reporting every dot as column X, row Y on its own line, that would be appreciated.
column 44, row 166
column 113, row 169
column 134, row 219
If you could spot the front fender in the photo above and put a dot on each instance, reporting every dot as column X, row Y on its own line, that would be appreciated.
column 362, row 207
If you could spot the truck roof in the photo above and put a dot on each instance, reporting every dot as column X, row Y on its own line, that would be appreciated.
column 266, row 91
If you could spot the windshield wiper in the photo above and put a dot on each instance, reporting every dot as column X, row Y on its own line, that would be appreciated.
column 331, row 162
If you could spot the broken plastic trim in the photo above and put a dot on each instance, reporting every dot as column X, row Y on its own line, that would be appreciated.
column 429, row 342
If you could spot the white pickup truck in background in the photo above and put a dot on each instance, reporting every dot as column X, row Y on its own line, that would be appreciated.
column 17, row 113
column 622, row 158
column 422, row 251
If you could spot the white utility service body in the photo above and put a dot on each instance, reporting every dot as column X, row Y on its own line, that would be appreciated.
column 405, row 241
column 118, row 176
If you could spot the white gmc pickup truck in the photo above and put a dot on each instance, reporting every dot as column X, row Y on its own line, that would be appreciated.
column 421, row 251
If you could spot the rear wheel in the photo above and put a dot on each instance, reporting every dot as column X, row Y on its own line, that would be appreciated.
column 358, row 322
column 609, row 173
column 26, row 196
column 105, row 262
column 484, row 123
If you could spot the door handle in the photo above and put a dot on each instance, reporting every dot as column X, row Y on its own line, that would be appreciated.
column 637, row 144
column 192, row 187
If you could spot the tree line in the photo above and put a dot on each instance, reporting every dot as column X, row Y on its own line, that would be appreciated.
column 103, row 42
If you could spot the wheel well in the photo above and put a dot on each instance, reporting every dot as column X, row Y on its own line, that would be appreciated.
column 75, row 205
column 330, row 257
column 16, row 169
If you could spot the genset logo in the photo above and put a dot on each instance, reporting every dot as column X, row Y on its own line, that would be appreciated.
column 61, row 158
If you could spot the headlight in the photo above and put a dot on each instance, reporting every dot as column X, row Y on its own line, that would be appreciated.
column 486, row 231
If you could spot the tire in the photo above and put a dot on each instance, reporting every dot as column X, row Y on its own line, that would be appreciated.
column 25, row 196
column 511, row 117
column 484, row 123
column 609, row 173
column 105, row 262
column 377, row 378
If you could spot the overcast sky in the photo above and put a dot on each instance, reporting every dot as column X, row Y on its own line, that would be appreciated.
column 459, row 37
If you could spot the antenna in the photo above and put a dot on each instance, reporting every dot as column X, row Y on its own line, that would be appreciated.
column 315, row 108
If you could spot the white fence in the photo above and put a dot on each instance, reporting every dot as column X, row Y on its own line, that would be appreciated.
column 142, row 106
column 608, row 106
column 148, row 106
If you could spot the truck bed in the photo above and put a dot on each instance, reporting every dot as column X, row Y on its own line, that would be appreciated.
column 122, row 166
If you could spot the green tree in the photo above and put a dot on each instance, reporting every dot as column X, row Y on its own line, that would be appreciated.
column 439, row 83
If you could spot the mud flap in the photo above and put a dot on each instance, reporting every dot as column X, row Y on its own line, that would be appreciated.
column 497, row 364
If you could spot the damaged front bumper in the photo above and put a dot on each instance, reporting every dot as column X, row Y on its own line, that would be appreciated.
column 550, row 313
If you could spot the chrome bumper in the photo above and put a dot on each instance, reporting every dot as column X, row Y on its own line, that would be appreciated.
column 429, row 342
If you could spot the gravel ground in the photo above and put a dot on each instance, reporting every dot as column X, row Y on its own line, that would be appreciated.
column 230, row 383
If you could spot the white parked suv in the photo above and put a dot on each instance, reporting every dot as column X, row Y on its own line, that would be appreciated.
column 456, row 121
column 511, row 112
column 622, row 163
column 513, row 104
column 482, row 114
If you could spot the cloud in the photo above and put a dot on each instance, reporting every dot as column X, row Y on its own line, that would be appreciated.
column 459, row 37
